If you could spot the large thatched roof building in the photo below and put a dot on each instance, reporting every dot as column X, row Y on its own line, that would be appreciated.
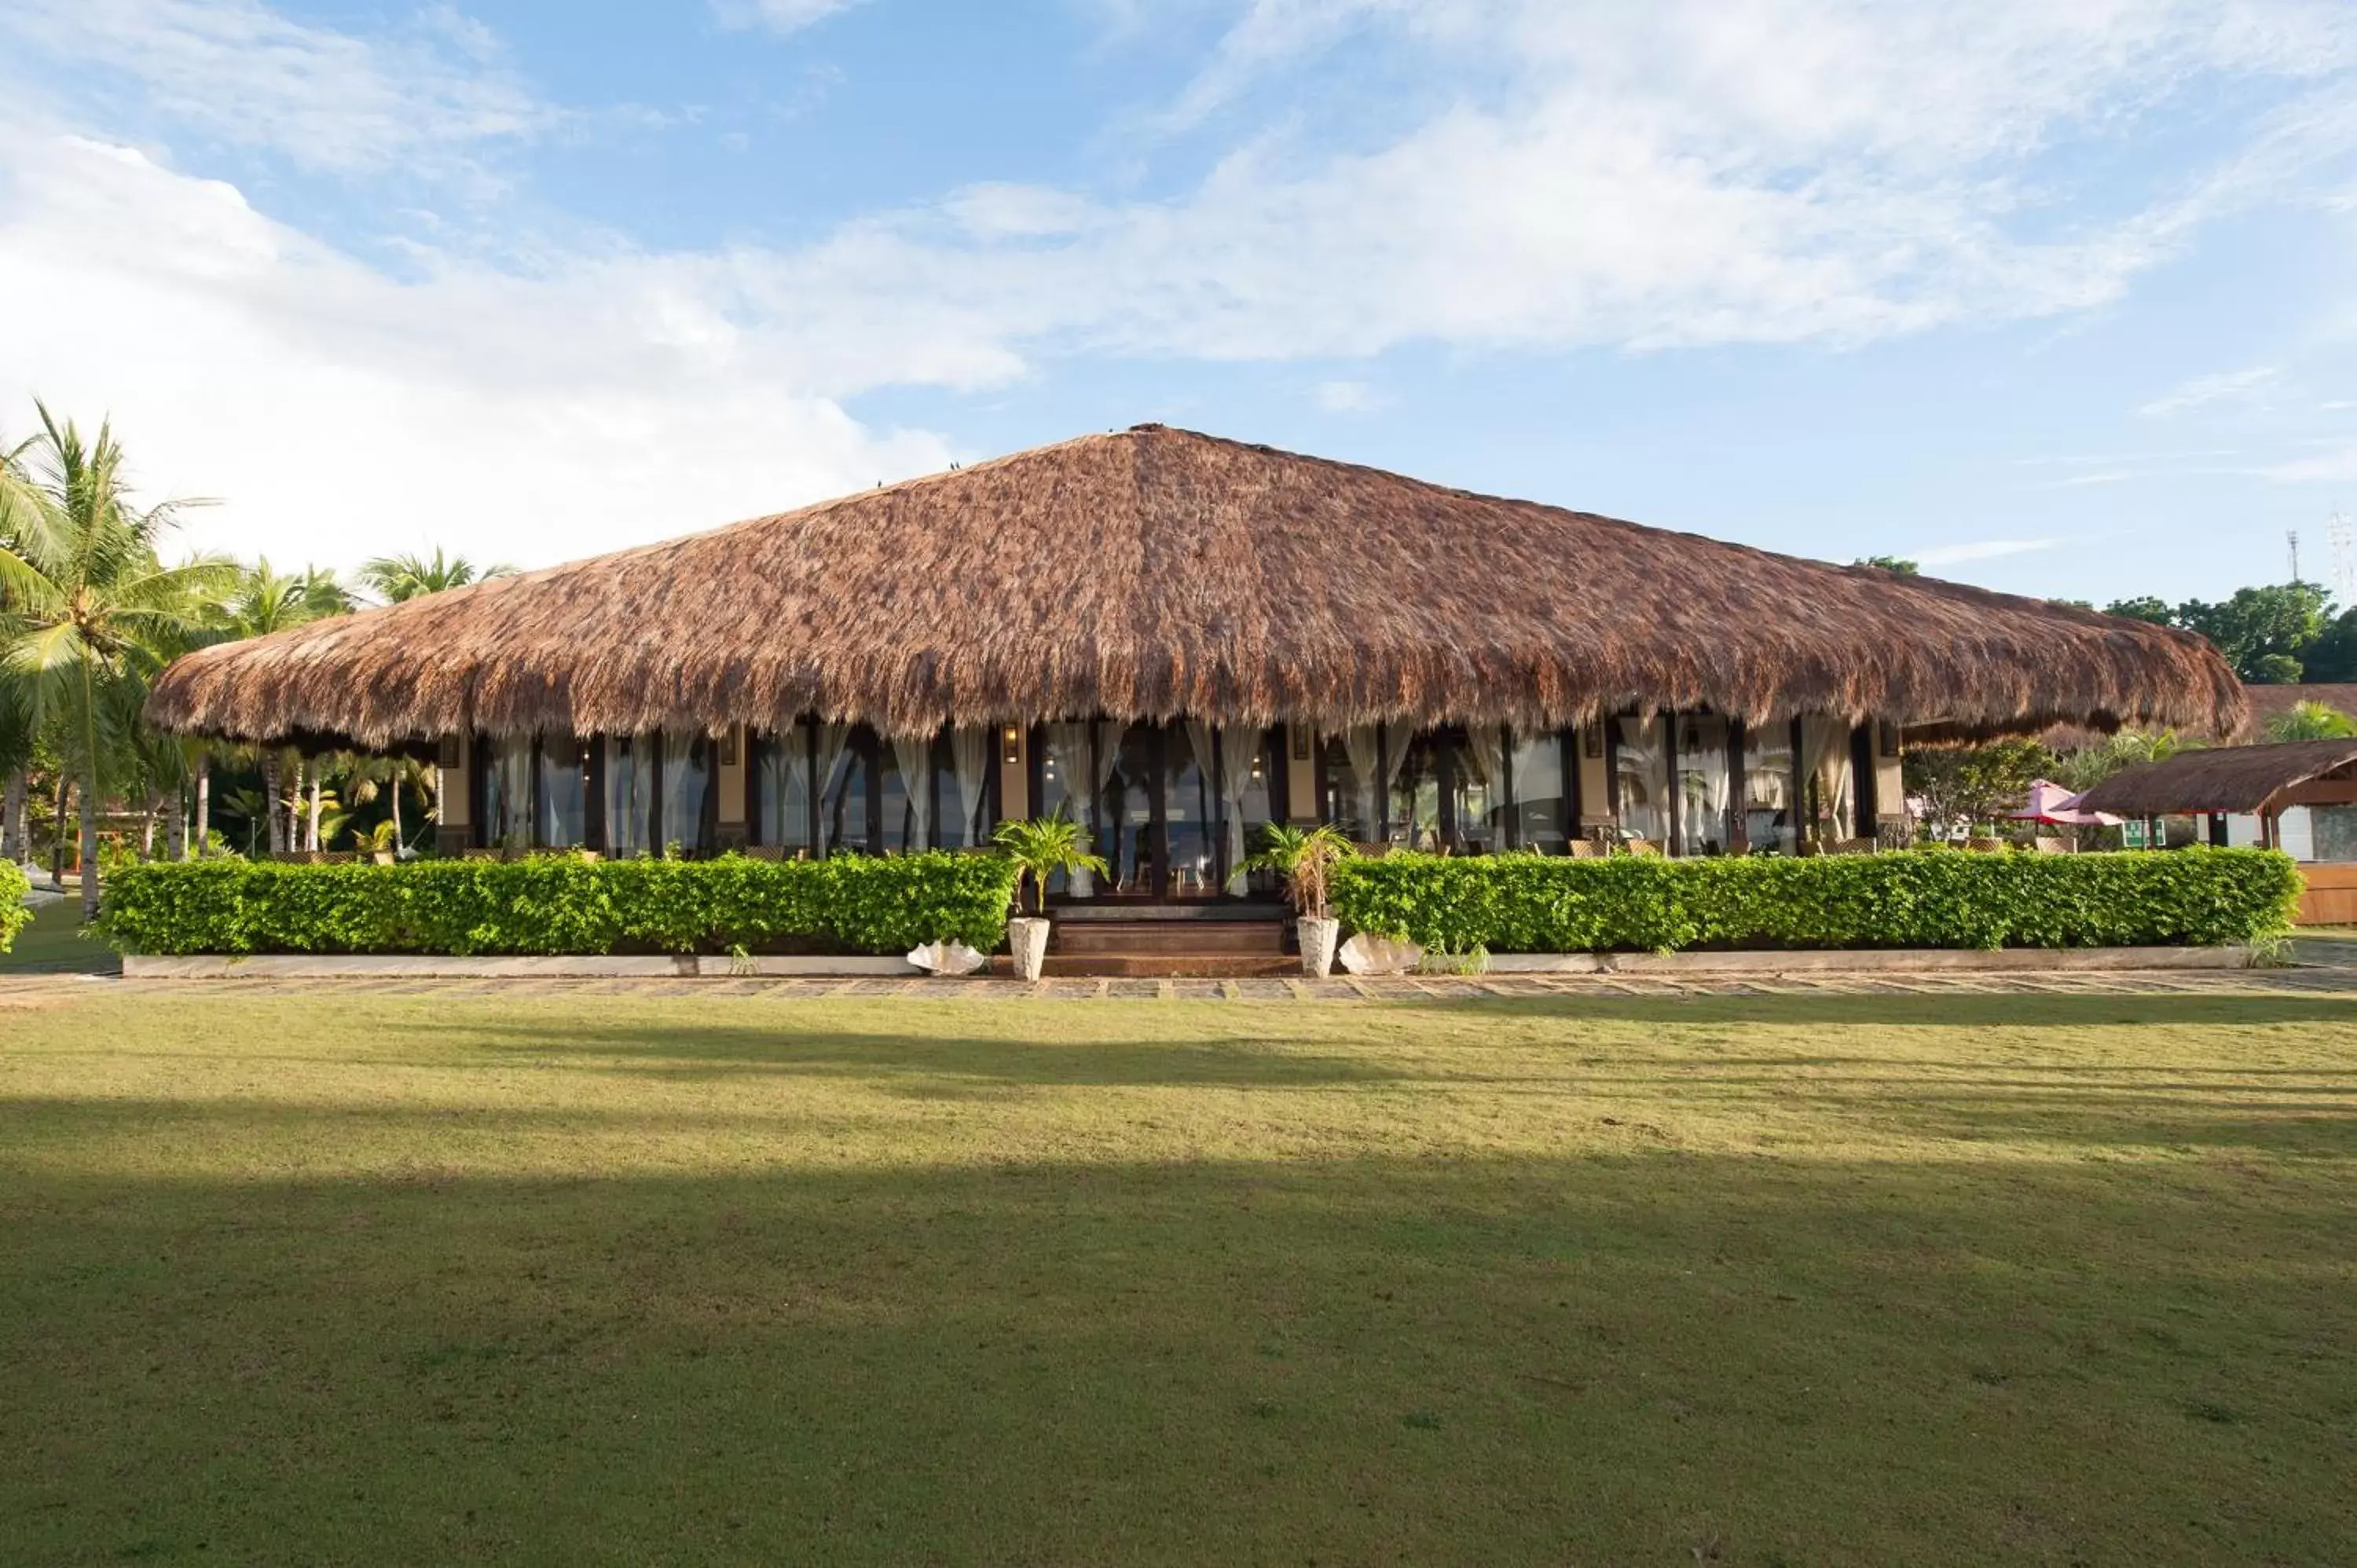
column 1118, row 622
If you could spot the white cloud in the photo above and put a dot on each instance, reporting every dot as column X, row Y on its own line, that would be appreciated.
column 1345, row 397
column 2202, row 391
column 777, row 15
column 1980, row 550
column 239, row 74
column 342, row 414
column 2334, row 468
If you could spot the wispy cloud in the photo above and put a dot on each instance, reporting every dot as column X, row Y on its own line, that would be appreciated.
column 2202, row 391
column 1980, row 550
column 778, row 15
column 1345, row 397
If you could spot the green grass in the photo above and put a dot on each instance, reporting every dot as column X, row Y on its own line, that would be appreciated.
column 53, row 944
column 586, row 1279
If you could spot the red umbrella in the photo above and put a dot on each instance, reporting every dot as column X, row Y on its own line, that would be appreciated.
column 2050, row 802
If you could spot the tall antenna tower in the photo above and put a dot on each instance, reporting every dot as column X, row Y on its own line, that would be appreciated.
column 2338, row 538
column 2292, row 536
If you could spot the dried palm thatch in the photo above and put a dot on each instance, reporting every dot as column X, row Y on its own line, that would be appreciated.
column 2228, row 779
column 1157, row 572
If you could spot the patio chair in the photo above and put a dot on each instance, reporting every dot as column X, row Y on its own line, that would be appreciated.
column 2050, row 846
column 1588, row 849
column 1644, row 846
column 1984, row 847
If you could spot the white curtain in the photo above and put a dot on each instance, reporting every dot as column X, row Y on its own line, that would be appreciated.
column 1825, row 745
column 970, row 753
column 1364, row 745
column 831, row 738
column 1396, row 745
column 1238, row 750
column 1108, row 760
column 1488, row 745
column 915, row 754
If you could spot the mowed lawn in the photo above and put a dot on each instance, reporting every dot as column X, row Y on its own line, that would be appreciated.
column 300, row 1278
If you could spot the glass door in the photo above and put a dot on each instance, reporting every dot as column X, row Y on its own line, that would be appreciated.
column 1158, row 812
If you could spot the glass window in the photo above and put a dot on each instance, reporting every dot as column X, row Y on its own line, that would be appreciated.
column 1770, row 822
column 1542, row 811
column 1829, row 808
column 1640, row 779
column 1413, row 815
column 1190, row 808
column 1248, row 765
column 962, row 787
column 1067, row 788
column 845, row 756
column 562, row 810
column 908, row 768
column 686, row 785
column 1353, row 782
column 1705, row 824
column 506, row 762
column 1477, row 788
column 630, row 794
column 781, row 788
column 1126, row 808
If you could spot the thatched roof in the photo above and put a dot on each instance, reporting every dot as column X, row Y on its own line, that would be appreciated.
column 2228, row 779
column 1154, row 572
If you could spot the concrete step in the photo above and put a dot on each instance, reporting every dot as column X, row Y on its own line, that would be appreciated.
column 1197, row 966
column 1209, row 937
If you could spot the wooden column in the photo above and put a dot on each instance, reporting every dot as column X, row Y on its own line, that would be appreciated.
column 1591, row 755
column 1890, row 781
column 733, row 829
column 1300, row 774
column 1014, row 744
column 454, row 788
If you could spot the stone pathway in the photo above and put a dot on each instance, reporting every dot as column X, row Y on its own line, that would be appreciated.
column 2335, row 979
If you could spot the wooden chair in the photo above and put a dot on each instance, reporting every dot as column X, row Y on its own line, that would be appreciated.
column 2050, row 846
column 1851, row 846
column 1645, row 846
column 1588, row 849
column 1984, row 847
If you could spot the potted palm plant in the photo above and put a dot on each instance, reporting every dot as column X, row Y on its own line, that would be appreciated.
column 1304, row 856
column 1038, row 849
column 381, row 844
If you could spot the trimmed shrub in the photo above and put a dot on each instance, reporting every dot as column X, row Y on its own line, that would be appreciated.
column 14, row 915
column 561, row 906
column 1913, row 898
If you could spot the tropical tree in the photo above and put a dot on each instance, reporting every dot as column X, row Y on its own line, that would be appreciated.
column 1305, row 858
column 394, row 578
column 91, row 612
column 2311, row 721
column 1040, row 848
column 1961, row 785
column 259, row 602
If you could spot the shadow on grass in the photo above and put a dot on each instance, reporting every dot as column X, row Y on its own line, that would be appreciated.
column 1635, row 1358
column 53, row 944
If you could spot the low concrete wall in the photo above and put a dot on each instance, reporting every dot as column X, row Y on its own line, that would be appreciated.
column 312, row 966
column 1902, row 960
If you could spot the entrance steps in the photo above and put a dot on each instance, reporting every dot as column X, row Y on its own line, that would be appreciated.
column 1203, row 940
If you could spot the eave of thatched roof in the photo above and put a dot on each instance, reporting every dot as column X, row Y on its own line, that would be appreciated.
column 1156, row 572
column 2228, row 779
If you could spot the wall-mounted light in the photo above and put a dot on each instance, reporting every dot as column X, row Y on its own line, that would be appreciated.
column 1300, row 743
column 445, row 752
column 1889, row 736
column 1010, row 746
column 1591, row 741
column 728, row 747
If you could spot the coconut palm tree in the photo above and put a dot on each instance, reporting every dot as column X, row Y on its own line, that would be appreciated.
column 394, row 578
column 86, row 605
column 259, row 602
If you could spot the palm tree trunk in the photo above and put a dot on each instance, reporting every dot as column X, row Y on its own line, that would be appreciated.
column 58, row 837
column 12, row 847
column 147, row 831
column 204, row 800
column 271, row 802
column 394, row 786
column 89, row 800
column 176, row 829
column 311, row 831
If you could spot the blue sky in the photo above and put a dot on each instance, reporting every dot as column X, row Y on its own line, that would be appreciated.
column 2057, row 297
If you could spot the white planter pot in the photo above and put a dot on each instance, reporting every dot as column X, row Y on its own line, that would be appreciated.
column 1027, row 938
column 1317, row 939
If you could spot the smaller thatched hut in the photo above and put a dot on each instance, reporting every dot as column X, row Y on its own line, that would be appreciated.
column 1175, row 638
column 2261, row 781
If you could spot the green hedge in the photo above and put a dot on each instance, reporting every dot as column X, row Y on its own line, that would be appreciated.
column 1915, row 898
column 560, row 906
column 14, row 915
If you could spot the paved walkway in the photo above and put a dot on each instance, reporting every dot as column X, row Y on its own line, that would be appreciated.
column 2340, row 979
